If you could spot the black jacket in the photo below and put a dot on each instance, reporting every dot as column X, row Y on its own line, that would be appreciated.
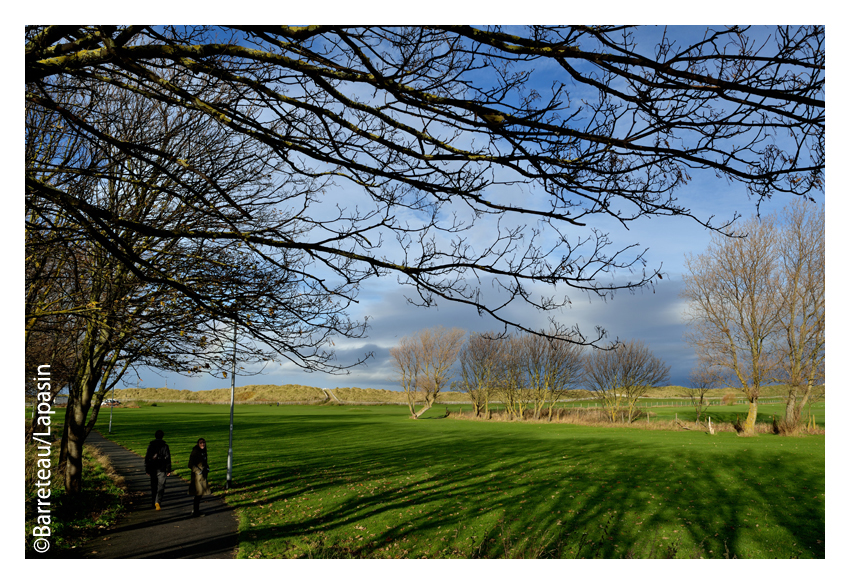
column 158, row 457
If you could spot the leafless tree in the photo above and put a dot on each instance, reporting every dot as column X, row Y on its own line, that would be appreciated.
column 780, row 304
column 757, row 305
column 733, row 313
column 512, row 386
column 424, row 362
column 480, row 362
column 432, row 127
column 802, row 266
column 702, row 378
column 52, row 310
column 124, row 314
column 409, row 370
column 533, row 356
column 565, row 368
column 619, row 376
column 553, row 366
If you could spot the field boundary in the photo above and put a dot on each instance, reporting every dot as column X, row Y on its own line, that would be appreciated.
column 650, row 402
column 227, row 402
column 665, row 402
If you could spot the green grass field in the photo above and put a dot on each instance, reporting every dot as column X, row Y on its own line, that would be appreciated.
column 366, row 481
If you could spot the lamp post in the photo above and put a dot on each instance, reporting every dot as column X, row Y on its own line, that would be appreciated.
column 232, row 395
column 111, row 407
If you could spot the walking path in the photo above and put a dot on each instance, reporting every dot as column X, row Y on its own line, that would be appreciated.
column 330, row 395
column 169, row 533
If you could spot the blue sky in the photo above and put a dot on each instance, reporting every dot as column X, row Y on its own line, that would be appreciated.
column 652, row 315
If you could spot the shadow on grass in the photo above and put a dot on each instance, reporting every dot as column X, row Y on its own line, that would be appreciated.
column 730, row 414
column 613, row 508
column 447, row 488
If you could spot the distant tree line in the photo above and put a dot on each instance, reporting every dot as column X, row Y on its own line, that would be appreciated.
column 526, row 373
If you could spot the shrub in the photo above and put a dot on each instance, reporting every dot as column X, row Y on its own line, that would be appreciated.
column 781, row 427
column 729, row 399
column 809, row 426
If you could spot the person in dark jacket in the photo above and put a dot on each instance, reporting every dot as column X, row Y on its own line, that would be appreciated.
column 198, row 483
column 158, row 466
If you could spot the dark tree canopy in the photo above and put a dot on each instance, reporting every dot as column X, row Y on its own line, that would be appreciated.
column 431, row 130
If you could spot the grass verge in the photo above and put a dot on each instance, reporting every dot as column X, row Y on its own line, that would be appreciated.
column 74, row 518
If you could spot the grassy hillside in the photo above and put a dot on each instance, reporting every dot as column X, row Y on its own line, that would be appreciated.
column 249, row 393
column 679, row 391
column 303, row 393
column 367, row 395
column 272, row 393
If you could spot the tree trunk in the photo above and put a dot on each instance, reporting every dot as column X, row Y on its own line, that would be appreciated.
column 749, row 428
column 411, row 403
column 428, row 403
column 92, row 418
column 631, row 411
column 794, row 407
column 791, row 419
column 798, row 411
column 63, row 445
column 74, row 447
column 424, row 409
column 79, row 404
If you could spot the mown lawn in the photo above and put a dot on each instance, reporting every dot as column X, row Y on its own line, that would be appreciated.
column 365, row 481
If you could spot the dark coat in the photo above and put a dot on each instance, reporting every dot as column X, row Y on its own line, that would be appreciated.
column 158, row 457
column 198, row 464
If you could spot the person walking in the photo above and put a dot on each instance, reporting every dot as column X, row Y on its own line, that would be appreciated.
column 158, row 467
column 200, row 468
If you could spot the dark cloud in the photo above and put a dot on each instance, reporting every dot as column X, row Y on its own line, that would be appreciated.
column 652, row 315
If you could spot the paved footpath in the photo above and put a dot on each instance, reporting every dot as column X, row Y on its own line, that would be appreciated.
column 169, row 533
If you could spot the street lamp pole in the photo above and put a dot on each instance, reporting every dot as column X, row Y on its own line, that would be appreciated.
column 111, row 407
column 232, row 395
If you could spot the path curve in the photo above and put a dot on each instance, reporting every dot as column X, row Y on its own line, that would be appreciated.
column 329, row 394
column 169, row 533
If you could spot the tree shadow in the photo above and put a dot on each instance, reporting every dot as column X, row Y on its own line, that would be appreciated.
column 494, row 490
